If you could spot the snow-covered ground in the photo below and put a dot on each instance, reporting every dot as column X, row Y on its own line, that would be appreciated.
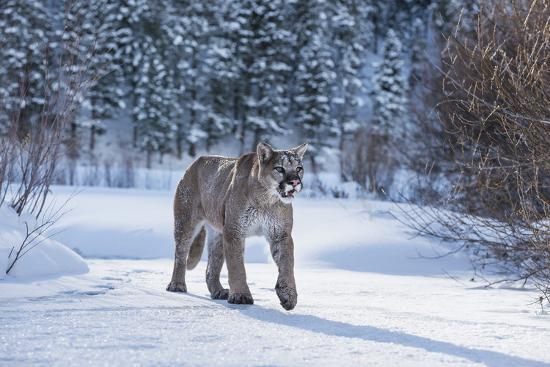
column 366, row 297
column 119, row 314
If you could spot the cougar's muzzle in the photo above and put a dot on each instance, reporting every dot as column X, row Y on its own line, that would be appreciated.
column 290, row 186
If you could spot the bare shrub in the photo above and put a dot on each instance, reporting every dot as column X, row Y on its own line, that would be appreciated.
column 355, row 159
column 32, row 136
column 36, row 159
column 368, row 161
column 31, row 159
column 496, row 130
column 6, row 164
column 33, row 139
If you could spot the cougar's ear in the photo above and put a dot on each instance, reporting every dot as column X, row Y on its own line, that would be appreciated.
column 265, row 151
column 300, row 150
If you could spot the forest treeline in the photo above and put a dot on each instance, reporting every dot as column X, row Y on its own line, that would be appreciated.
column 189, row 73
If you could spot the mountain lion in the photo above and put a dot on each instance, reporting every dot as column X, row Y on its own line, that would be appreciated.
column 231, row 199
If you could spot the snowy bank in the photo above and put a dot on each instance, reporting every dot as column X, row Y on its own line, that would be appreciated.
column 47, row 258
column 352, row 235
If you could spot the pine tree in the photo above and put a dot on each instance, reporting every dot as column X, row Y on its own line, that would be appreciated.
column 221, row 116
column 418, row 53
column 389, row 112
column 261, row 49
column 154, row 100
column 226, row 82
column 133, row 20
column 352, row 31
column 314, row 79
column 105, row 95
column 187, row 28
column 27, row 67
column 89, row 37
column 77, row 50
column 239, row 30
column 273, row 43
column 390, row 88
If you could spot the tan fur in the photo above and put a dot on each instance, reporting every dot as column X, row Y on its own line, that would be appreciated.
column 235, row 198
column 195, row 252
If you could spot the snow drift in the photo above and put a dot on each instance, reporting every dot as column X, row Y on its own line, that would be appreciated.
column 47, row 258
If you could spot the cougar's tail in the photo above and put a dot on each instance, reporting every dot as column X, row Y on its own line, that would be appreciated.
column 195, row 252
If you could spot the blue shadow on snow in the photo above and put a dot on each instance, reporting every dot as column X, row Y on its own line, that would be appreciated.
column 370, row 333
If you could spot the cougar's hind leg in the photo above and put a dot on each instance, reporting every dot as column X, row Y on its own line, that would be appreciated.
column 215, row 264
column 183, row 234
column 186, row 225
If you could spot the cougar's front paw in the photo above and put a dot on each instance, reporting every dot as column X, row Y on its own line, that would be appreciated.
column 220, row 294
column 240, row 298
column 177, row 287
column 287, row 296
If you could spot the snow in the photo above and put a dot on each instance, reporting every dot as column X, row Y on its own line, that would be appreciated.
column 119, row 314
column 48, row 258
column 366, row 297
column 358, row 234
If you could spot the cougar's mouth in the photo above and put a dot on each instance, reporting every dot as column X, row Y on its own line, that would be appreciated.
column 287, row 191
column 288, row 194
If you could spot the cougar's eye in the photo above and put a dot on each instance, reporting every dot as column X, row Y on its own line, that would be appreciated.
column 279, row 169
column 299, row 169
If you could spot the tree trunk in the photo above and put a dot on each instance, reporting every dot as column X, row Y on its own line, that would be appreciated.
column 314, row 165
column 134, row 135
column 192, row 149
column 242, row 135
column 149, row 158
column 92, row 138
column 236, row 100
column 209, row 137
column 93, row 127
column 179, row 141
column 343, row 175
column 193, row 113
column 372, row 162
column 256, row 140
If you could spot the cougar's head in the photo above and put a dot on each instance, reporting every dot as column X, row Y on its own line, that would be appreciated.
column 281, row 171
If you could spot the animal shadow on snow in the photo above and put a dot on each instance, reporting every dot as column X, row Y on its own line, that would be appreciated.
column 371, row 333
column 336, row 328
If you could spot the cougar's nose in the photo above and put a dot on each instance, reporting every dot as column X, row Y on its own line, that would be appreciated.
column 294, row 182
